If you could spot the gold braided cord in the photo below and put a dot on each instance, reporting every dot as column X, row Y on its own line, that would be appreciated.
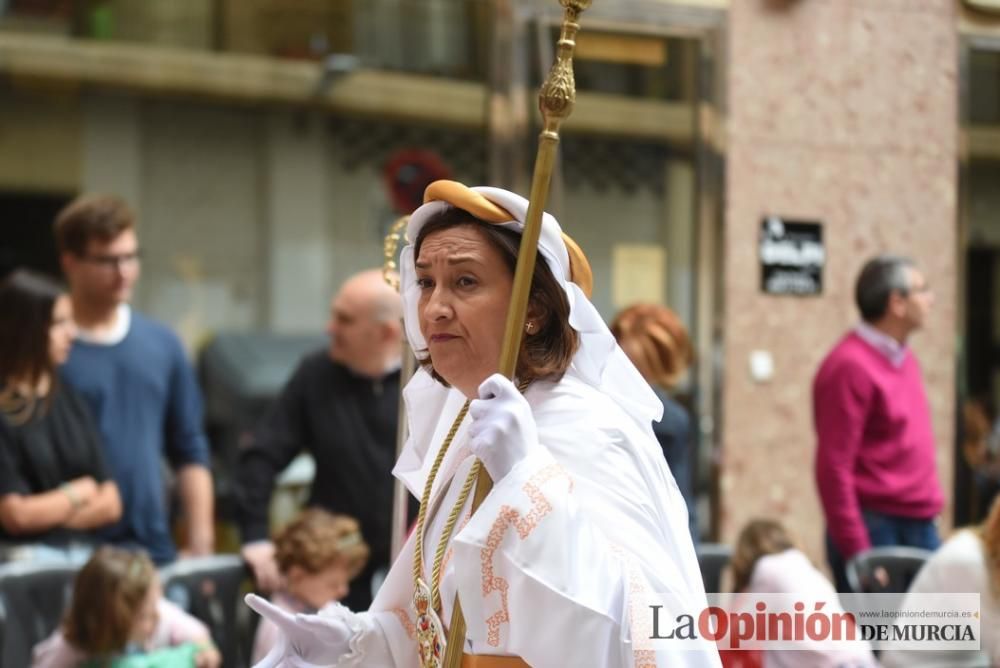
column 418, row 549
column 470, row 481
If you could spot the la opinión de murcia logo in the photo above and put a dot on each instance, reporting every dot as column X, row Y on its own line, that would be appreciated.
column 777, row 621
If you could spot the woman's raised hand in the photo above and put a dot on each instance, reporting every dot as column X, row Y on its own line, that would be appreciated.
column 503, row 429
column 306, row 640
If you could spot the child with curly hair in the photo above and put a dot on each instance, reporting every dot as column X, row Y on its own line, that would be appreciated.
column 318, row 554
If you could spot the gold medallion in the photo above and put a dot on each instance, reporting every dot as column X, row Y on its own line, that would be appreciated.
column 430, row 630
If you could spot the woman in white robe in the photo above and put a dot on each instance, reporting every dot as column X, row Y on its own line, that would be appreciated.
column 584, row 517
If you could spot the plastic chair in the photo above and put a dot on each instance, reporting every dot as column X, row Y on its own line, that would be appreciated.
column 712, row 560
column 901, row 564
column 211, row 589
column 33, row 598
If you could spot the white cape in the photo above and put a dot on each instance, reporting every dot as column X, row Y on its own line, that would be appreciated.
column 547, row 568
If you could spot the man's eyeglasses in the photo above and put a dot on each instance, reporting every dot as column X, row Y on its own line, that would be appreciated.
column 114, row 261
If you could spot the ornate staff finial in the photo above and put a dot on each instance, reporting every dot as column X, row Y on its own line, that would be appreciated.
column 558, row 94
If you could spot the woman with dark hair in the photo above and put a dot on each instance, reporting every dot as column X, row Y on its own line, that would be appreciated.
column 54, row 486
column 584, row 517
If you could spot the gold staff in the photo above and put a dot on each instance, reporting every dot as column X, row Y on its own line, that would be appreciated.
column 400, row 495
column 555, row 100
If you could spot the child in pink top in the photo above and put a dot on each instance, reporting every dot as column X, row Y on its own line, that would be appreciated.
column 318, row 554
column 118, row 609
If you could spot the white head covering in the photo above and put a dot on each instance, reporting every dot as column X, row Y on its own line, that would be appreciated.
column 598, row 361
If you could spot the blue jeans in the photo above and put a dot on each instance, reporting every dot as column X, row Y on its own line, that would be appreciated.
column 884, row 530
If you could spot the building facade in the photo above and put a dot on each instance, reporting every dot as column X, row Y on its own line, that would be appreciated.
column 268, row 151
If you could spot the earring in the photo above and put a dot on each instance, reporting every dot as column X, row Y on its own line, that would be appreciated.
column 529, row 327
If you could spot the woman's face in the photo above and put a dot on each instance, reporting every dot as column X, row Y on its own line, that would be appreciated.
column 465, row 288
column 62, row 331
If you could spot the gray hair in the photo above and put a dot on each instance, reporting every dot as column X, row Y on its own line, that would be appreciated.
column 879, row 278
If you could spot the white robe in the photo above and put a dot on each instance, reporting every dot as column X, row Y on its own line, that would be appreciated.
column 550, row 562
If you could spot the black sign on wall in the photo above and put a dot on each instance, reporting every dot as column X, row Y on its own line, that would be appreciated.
column 792, row 256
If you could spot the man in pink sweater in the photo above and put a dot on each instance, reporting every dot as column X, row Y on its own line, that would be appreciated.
column 875, row 464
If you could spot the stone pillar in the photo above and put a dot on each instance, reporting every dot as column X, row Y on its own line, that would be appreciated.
column 843, row 111
column 677, row 238
column 299, row 247
column 112, row 148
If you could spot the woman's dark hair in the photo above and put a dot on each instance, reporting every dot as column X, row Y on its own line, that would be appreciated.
column 26, row 303
column 546, row 354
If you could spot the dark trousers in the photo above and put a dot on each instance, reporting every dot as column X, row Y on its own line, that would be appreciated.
column 884, row 530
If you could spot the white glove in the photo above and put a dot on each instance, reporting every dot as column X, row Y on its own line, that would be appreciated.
column 503, row 430
column 306, row 641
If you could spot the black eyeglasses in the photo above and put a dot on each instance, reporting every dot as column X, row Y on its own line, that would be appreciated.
column 114, row 261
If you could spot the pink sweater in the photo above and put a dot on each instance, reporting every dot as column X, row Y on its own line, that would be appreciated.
column 876, row 444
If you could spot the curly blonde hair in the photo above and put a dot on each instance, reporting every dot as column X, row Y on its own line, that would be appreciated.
column 656, row 341
column 317, row 539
